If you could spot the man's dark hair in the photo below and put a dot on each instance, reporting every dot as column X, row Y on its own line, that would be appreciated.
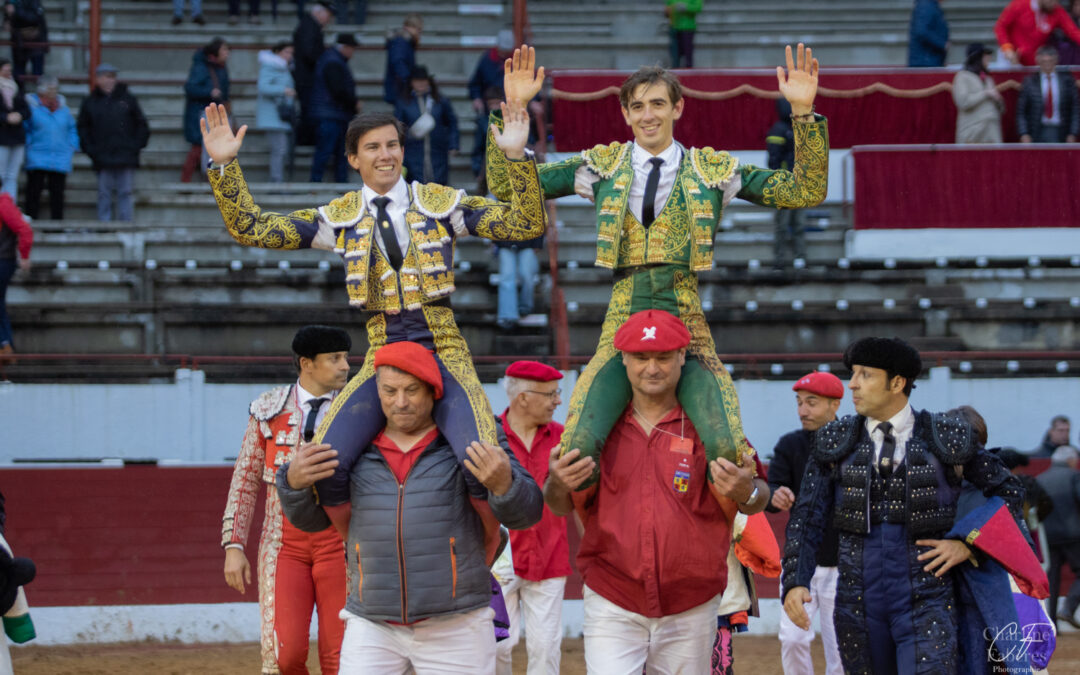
column 650, row 75
column 280, row 46
column 1059, row 418
column 1046, row 49
column 4, row 62
column 368, row 121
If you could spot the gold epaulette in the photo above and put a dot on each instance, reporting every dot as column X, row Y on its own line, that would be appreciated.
column 713, row 167
column 343, row 211
column 605, row 159
column 436, row 201
column 269, row 403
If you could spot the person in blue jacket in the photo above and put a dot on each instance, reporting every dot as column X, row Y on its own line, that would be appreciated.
column 52, row 137
column 928, row 41
column 401, row 57
column 432, row 130
column 207, row 82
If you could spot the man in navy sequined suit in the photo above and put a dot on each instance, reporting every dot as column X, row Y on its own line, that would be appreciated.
column 889, row 478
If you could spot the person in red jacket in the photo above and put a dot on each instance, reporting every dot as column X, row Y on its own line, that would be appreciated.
column 1025, row 25
column 540, row 554
column 15, row 235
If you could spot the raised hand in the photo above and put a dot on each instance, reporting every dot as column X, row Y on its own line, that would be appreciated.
column 218, row 138
column 799, row 86
column 512, row 139
column 521, row 79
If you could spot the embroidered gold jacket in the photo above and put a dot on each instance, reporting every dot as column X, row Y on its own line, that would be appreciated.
column 707, row 180
column 436, row 216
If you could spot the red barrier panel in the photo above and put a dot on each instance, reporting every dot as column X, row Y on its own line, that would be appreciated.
column 921, row 186
column 728, row 108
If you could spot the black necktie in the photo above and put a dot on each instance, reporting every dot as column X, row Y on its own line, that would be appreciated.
column 386, row 231
column 647, row 205
column 309, row 425
column 888, row 448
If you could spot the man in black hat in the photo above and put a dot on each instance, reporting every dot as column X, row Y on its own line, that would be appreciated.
column 333, row 104
column 888, row 479
column 298, row 571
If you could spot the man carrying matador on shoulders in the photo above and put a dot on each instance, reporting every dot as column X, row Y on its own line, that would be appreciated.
column 397, row 240
column 657, row 207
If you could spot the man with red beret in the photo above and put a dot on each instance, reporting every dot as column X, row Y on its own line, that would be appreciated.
column 817, row 398
column 540, row 554
column 418, row 582
column 654, row 552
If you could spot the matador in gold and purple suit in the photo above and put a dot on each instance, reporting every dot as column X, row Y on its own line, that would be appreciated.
column 410, row 303
column 656, row 267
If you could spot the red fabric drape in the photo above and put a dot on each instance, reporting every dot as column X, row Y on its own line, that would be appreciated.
column 966, row 186
column 741, row 122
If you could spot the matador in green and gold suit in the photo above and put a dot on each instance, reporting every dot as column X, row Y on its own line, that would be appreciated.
column 656, row 267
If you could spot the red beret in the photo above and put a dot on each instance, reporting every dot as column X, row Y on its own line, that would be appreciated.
column 533, row 370
column 822, row 384
column 652, row 330
column 415, row 360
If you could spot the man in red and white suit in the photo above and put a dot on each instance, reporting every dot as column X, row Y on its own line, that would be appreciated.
column 297, row 570
column 540, row 554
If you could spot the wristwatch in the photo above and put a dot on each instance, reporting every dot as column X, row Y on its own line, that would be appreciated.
column 752, row 497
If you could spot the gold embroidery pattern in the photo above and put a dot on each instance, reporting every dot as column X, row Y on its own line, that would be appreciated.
column 605, row 159
column 703, row 347
column 808, row 182
column 454, row 354
column 246, row 222
column 523, row 218
column 631, row 242
column 498, row 166
column 269, row 548
column 713, row 167
column 610, row 218
column 618, row 312
column 345, row 210
column 436, row 201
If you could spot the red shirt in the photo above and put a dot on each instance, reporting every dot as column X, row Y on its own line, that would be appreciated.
column 402, row 462
column 540, row 552
column 656, row 540
column 1024, row 30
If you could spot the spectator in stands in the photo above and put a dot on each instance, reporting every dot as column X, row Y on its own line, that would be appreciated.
column 276, row 93
column 488, row 75
column 13, row 111
column 817, row 398
column 359, row 11
column 682, row 15
column 427, row 606
column 790, row 225
column 196, row 12
column 51, row 140
column 519, row 271
column 333, row 104
column 653, row 510
column 401, row 57
column 29, row 36
column 1068, row 51
column 16, row 237
column 207, row 82
column 978, row 102
column 1062, row 482
column 113, row 131
column 1025, row 25
column 253, row 12
column 432, row 130
column 297, row 571
column 1056, row 436
column 928, row 38
column 1048, row 110
column 534, row 588
column 309, row 43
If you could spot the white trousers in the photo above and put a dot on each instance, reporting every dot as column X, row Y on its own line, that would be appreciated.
column 541, row 604
column 459, row 644
column 795, row 642
column 620, row 642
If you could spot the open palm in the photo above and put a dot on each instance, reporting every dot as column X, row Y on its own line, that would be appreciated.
column 515, row 134
column 218, row 138
column 799, row 86
column 521, row 79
